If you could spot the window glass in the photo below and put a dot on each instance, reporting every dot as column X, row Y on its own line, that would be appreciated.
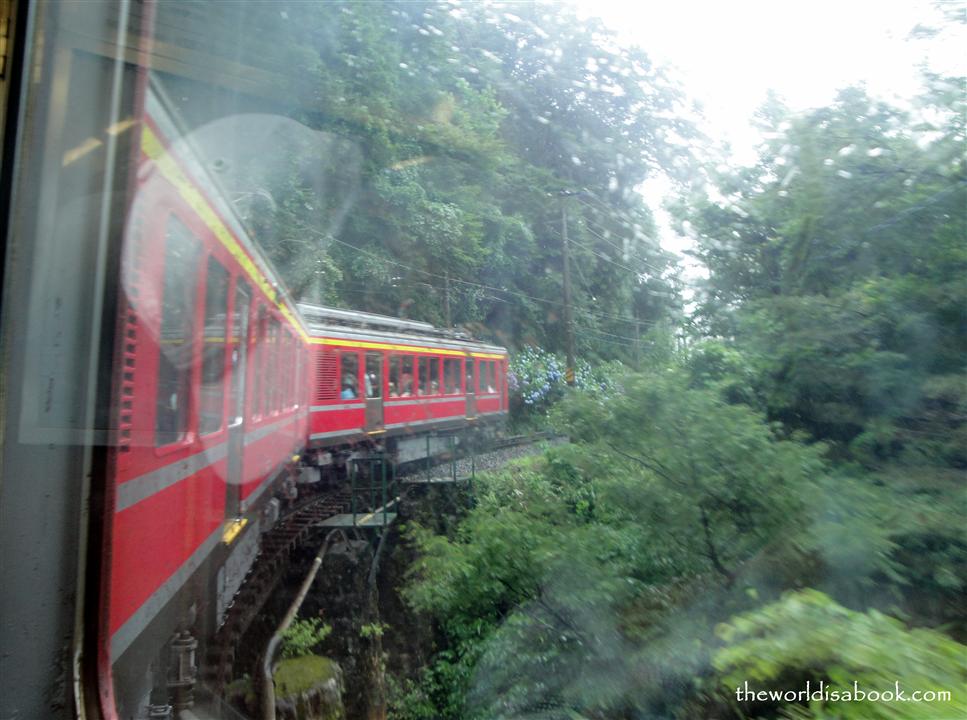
column 273, row 377
column 406, row 377
column 424, row 375
column 175, row 354
column 373, row 378
column 349, row 375
column 394, row 375
column 238, row 342
column 213, row 348
column 298, row 382
column 292, row 368
column 436, row 376
column 782, row 346
column 287, row 367
column 451, row 376
column 261, row 334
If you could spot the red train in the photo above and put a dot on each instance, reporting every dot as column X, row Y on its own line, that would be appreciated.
column 221, row 383
column 160, row 385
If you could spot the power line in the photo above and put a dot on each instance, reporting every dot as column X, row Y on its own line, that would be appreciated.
column 643, row 262
column 467, row 282
column 607, row 334
column 604, row 257
column 603, row 206
column 589, row 226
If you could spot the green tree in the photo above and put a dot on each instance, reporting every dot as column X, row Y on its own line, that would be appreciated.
column 807, row 636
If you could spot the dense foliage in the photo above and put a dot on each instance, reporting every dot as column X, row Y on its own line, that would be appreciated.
column 436, row 143
column 838, row 270
column 809, row 438
column 589, row 582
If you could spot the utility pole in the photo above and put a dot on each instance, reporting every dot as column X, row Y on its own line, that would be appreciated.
column 568, row 319
column 446, row 298
column 637, row 342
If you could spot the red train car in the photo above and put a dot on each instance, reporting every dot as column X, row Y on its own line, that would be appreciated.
column 210, row 399
column 220, row 386
column 378, row 377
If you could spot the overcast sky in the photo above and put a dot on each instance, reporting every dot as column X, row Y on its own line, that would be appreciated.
column 728, row 53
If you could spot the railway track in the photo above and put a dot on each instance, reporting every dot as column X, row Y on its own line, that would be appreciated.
column 277, row 547
column 280, row 543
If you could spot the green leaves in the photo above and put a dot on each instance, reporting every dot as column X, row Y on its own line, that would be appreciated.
column 303, row 636
column 834, row 267
column 808, row 636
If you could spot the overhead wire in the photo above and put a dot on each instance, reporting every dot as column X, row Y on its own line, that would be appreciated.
column 468, row 282
column 603, row 206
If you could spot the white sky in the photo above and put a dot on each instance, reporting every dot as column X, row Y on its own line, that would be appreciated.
column 728, row 53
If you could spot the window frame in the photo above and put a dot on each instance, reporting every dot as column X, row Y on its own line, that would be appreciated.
column 196, row 318
column 211, row 263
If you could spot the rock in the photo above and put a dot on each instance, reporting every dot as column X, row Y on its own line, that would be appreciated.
column 309, row 688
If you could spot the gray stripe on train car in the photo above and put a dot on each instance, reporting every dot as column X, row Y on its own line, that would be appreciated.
column 427, row 401
column 341, row 406
column 256, row 435
column 136, row 624
column 144, row 486
column 336, row 433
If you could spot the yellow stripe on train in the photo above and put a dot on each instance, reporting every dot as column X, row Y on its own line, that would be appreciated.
column 156, row 151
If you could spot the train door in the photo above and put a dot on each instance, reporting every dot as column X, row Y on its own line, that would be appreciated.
column 373, row 384
column 236, row 428
column 471, row 389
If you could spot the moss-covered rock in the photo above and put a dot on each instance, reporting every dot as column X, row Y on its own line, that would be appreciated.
column 309, row 688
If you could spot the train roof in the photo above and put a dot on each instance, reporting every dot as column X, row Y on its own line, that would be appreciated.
column 369, row 327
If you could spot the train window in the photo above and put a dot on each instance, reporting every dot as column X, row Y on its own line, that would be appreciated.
column 406, row 377
column 394, row 375
column 273, row 382
column 258, row 390
column 451, row 376
column 175, row 342
column 284, row 367
column 436, row 376
column 290, row 369
column 424, row 375
column 213, row 348
column 349, row 375
column 374, row 375
column 238, row 341
column 299, row 374
column 296, row 352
